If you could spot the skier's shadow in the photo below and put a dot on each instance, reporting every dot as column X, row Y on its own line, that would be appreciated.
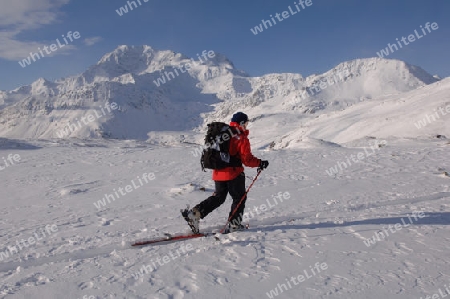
column 431, row 218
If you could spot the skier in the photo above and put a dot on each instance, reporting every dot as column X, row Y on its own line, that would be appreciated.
column 229, row 180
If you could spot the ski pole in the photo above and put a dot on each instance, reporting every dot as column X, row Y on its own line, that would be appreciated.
column 239, row 204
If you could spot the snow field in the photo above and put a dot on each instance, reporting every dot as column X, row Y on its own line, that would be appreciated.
column 326, row 220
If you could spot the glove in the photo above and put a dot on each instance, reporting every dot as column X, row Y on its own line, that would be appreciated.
column 263, row 164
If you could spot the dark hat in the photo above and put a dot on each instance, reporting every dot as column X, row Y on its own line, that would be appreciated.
column 239, row 118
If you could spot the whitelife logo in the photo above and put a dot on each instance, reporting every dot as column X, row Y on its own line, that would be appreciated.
column 433, row 117
column 124, row 9
column 439, row 295
column 11, row 159
column 49, row 229
column 128, row 189
column 264, row 208
column 355, row 158
column 215, row 144
column 411, row 38
column 53, row 47
column 164, row 260
column 322, row 84
column 297, row 280
column 393, row 229
column 281, row 17
column 70, row 128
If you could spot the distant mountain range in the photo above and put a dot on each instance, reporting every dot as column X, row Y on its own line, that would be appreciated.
column 157, row 92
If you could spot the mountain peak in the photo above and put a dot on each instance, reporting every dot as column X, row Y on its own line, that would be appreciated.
column 127, row 55
column 389, row 66
column 144, row 59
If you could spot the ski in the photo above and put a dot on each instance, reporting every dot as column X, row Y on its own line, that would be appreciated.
column 169, row 239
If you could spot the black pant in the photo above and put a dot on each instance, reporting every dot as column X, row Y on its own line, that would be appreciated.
column 236, row 188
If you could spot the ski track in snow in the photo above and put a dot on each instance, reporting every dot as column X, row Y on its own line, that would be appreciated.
column 326, row 220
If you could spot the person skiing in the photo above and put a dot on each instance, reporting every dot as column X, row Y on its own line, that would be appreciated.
column 229, row 179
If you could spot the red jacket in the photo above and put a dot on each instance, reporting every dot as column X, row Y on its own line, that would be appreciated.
column 239, row 146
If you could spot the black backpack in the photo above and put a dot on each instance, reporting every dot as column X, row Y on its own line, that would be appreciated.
column 217, row 145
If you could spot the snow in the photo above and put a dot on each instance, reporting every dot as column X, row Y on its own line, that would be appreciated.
column 347, row 164
column 391, row 117
column 326, row 220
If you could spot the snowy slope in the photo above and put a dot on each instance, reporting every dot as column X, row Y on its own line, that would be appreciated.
column 422, row 113
column 327, row 219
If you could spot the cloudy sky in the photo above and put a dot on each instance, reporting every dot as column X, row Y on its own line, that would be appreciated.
column 312, row 40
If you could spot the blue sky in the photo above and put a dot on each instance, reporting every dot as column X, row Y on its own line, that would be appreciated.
column 312, row 41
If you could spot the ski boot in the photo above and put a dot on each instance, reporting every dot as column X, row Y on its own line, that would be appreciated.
column 234, row 227
column 192, row 217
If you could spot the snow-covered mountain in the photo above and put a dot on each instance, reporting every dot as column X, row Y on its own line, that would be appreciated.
column 155, row 91
column 346, row 84
column 125, row 76
column 418, row 114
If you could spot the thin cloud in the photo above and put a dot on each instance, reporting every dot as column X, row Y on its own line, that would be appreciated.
column 21, row 15
column 92, row 40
